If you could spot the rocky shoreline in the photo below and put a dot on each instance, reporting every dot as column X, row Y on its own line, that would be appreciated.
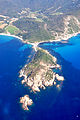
column 26, row 101
column 35, row 44
column 39, row 81
column 40, row 78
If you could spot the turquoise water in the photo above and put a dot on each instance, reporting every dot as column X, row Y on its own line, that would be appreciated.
column 71, row 51
column 24, row 47
column 3, row 39
column 49, row 104
column 13, row 56
column 67, row 101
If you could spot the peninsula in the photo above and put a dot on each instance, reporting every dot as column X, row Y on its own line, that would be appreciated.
column 38, row 73
column 34, row 27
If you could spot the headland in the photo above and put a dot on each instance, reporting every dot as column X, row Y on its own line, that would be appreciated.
column 38, row 74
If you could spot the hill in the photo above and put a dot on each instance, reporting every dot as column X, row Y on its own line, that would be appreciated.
column 38, row 20
column 9, row 7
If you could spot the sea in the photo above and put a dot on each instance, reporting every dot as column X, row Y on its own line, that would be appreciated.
column 53, row 103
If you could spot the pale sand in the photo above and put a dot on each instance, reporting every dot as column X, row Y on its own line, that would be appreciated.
column 35, row 44
column 12, row 36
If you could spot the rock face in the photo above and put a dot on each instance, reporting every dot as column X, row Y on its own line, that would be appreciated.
column 26, row 101
column 59, row 78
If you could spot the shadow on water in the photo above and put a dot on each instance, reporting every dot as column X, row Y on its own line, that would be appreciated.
column 11, row 61
column 66, row 105
column 49, row 104
column 57, row 104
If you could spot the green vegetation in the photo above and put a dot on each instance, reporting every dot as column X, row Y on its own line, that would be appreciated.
column 73, row 26
column 70, row 31
column 36, row 25
column 55, row 23
column 49, row 74
column 38, row 35
column 2, row 30
column 41, row 55
column 32, row 30
column 41, row 60
column 12, row 29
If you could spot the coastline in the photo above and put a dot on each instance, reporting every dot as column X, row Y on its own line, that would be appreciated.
column 43, row 85
column 29, row 101
column 12, row 36
column 35, row 44
column 41, row 76
column 65, row 38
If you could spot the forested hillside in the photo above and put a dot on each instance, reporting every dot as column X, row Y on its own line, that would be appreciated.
column 40, row 20
column 12, row 6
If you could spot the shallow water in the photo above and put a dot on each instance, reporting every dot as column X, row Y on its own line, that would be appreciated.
column 69, row 51
column 13, row 56
column 67, row 104
column 49, row 104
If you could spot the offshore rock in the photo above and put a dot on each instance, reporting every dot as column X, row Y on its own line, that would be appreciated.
column 26, row 101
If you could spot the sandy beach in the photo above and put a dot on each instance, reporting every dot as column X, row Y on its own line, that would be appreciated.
column 12, row 36
column 35, row 44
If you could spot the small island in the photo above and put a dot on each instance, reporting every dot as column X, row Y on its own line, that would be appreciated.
column 26, row 101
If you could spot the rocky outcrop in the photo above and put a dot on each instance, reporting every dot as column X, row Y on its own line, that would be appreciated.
column 59, row 78
column 26, row 101
column 39, row 74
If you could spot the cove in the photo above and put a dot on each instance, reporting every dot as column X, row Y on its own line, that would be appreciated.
column 69, row 51
column 65, row 102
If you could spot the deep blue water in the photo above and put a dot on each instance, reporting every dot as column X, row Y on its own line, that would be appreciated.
column 49, row 104
column 67, row 103
column 13, row 56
